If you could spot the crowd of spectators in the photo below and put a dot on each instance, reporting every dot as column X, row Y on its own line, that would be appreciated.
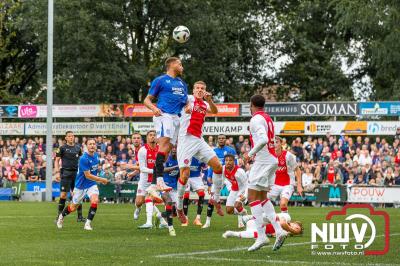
column 323, row 160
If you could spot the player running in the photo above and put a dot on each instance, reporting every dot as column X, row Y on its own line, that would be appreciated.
column 171, row 94
column 221, row 150
column 171, row 175
column 85, row 184
column 191, row 143
column 238, row 179
column 69, row 155
column 195, row 183
column 262, row 173
column 146, row 158
column 294, row 228
column 285, row 175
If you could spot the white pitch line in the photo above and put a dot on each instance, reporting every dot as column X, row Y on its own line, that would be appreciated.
column 233, row 249
column 279, row 261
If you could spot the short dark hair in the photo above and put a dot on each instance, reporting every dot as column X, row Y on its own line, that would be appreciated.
column 170, row 60
column 68, row 132
column 91, row 139
column 257, row 100
column 150, row 131
column 229, row 155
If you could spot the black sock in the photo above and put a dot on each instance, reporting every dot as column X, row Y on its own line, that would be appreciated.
column 173, row 210
column 61, row 205
column 159, row 167
column 79, row 210
column 66, row 211
column 92, row 212
column 185, row 206
column 200, row 205
column 167, row 215
column 210, row 209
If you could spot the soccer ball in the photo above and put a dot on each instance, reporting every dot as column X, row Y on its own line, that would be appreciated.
column 181, row 34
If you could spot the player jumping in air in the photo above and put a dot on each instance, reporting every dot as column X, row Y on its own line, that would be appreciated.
column 85, row 184
column 171, row 94
column 294, row 228
column 262, row 173
column 146, row 158
column 191, row 143
column 285, row 175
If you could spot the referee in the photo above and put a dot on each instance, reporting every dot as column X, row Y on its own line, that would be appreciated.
column 69, row 154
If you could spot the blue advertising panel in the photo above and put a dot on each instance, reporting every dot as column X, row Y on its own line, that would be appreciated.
column 379, row 108
column 41, row 187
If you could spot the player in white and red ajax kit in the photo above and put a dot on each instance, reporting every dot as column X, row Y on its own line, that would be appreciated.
column 262, row 173
column 237, row 177
column 191, row 143
column 285, row 175
column 146, row 157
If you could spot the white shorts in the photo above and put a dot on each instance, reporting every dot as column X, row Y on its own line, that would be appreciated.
column 282, row 191
column 79, row 194
column 194, row 183
column 262, row 176
column 190, row 146
column 232, row 198
column 172, row 196
column 167, row 125
column 143, row 184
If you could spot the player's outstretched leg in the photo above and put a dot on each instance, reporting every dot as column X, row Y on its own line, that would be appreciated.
column 160, row 219
column 186, row 207
column 210, row 209
column 149, row 214
column 80, row 216
column 281, row 234
column 200, row 203
column 181, row 188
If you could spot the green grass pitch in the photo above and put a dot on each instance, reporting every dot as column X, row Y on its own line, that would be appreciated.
column 29, row 236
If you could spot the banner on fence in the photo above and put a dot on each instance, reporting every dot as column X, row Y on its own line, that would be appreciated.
column 379, row 108
column 331, row 193
column 373, row 194
column 8, row 111
column 91, row 128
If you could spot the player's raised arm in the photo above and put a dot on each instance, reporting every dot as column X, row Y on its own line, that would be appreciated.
column 212, row 108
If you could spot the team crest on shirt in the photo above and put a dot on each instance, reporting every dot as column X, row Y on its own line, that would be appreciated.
column 186, row 161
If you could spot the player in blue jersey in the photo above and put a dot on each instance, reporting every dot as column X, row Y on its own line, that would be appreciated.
column 221, row 150
column 171, row 175
column 195, row 183
column 85, row 184
column 171, row 93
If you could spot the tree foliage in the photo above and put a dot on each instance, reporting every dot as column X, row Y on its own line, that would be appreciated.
column 109, row 51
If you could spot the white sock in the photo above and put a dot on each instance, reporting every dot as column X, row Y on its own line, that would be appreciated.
column 180, row 191
column 217, row 183
column 208, row 220
column 149, row 212
column 198, row 216
column 246, row 234
column 269, row 211
column 257, row 212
